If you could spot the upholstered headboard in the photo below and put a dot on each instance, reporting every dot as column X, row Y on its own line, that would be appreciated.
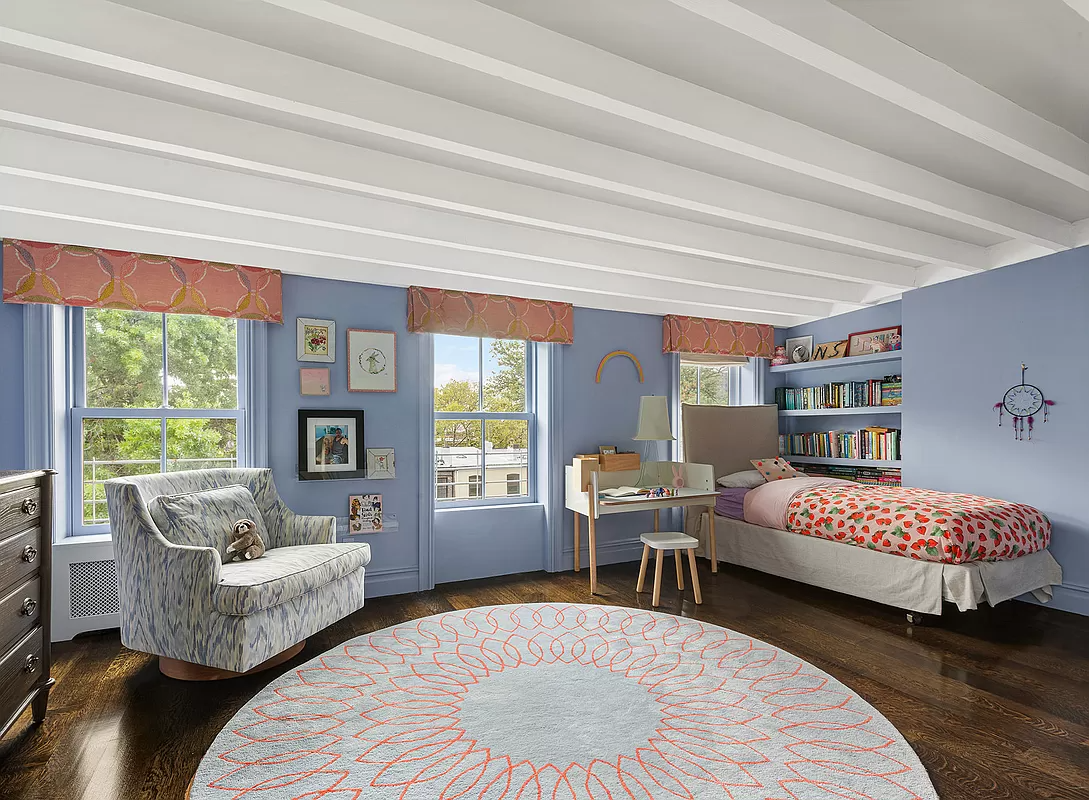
column 728, row 436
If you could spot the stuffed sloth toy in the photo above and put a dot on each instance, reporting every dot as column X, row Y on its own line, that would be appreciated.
column 246, row 543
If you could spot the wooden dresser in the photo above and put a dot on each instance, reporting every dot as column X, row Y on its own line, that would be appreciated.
column 26, row 537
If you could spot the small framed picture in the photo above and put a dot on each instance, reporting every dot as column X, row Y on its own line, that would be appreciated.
column 865, row 343
column 380, row 463
column 607, row 450
column 330, row 444
column 315, row 339
column 372, row 361
column 799, row 349
column 829, row 350
column 364, row 513
column 314, row 381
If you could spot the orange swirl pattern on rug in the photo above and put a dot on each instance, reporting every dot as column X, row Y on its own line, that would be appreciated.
column 379, row 717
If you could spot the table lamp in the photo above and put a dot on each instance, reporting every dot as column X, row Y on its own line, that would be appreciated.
column 653, row 426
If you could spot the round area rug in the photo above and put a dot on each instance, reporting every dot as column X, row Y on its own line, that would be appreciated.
column 559, row 701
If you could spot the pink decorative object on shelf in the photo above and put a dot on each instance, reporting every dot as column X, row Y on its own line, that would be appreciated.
column 780, row 356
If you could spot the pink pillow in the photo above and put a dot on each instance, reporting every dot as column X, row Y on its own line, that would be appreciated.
column 775, row 469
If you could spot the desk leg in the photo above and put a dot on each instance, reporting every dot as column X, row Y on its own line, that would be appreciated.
column 711, row 533
column 655, row 520
column 592, row 526
column 578, row 564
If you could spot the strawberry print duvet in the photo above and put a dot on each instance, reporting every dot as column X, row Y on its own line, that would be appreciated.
column 919, row 523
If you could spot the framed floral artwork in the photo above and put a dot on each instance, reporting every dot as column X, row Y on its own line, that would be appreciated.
column 314, row 381
column 372, row 361
column 316, row 339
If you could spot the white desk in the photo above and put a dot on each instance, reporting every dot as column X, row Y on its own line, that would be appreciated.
column 699, row 481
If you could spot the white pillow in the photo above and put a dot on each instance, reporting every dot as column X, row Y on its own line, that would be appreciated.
column 746, row 479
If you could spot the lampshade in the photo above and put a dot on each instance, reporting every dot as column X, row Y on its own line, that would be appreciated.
column 653, row 420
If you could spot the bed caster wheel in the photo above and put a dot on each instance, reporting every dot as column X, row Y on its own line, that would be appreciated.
column 914, row 618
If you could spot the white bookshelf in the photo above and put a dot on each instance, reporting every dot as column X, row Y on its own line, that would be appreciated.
column 875, row 358
column 836, row 412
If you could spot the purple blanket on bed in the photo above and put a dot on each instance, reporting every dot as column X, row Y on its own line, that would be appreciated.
column 731, row 503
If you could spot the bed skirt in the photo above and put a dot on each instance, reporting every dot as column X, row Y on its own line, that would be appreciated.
column 884, row 578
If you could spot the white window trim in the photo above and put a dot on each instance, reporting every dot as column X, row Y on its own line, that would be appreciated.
column 483, row 416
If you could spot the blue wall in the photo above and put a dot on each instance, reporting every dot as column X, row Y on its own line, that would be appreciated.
column 390, row 420
column 964, row 342
column 12, row 444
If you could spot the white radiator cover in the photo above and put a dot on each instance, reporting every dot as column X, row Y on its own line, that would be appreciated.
column 84, row 586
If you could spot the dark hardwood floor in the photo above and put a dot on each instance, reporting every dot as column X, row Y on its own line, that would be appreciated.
column 995, row 702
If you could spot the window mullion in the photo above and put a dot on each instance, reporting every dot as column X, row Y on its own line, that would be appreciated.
column 480, row 377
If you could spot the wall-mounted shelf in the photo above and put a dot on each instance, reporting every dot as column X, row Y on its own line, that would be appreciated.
column 845, row 462
column 835, row 412
column 876, row 358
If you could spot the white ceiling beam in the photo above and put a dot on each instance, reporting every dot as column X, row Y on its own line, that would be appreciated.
column 173, row 131
column 828, row 38
column 66, row 163
column 749, row 132
column 1080, row 7
column 384, row 110
column 325, row 261
column 31, row 195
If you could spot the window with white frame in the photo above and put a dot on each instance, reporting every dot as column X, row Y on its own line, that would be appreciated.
column 711, row 383
column 484, row 420
column 150, row 393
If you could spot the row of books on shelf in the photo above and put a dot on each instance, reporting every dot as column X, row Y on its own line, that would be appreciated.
column 870, row 476
column 885, row 391
column 882, row 444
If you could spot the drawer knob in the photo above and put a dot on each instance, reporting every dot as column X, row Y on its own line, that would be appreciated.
column 31, row 663
column 30, row 552
column 29, row 604
column 30, row 505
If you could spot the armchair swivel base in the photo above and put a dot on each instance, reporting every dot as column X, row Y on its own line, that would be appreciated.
column 188, row 671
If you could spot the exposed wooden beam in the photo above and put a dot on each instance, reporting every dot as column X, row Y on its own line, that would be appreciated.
column 839, row 44
column 809, row 152
column 1080, row 6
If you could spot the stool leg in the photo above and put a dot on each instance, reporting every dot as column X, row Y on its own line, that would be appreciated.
column 680, row 569
column 643, row 568
column 695, row 576
column 657, row 577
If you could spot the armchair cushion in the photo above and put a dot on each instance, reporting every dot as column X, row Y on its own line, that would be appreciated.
column 206, row 518
column 282, row 574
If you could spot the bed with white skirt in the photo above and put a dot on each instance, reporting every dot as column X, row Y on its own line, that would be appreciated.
column 728, row 437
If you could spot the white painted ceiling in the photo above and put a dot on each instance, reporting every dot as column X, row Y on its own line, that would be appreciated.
column 766, row 160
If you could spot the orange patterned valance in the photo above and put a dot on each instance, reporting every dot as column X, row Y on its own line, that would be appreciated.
column 66, row 275
column 716, row 337
column 489, row 315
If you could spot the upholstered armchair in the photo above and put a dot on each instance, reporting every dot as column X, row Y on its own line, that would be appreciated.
column 180, row 601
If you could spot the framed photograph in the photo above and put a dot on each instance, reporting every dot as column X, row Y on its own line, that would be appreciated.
column 314, row 381
column 799, row 349
column 364, row 513
column 607, row 450
column 330, row 444
column 879, row 340
column 380, row 463
column 372, row 361
column 829, row 350
column 316, row 339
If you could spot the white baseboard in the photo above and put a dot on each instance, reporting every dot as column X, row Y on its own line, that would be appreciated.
column 617, row 552
column 1068, row 597
column 386, row 582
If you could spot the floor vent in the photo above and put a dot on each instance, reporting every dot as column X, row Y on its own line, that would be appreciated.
column 93, row 588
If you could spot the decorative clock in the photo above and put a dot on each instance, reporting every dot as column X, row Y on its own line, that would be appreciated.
column 1023, row 402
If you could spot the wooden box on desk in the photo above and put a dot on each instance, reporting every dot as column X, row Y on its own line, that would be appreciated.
column 619, row 462
column 582, row 467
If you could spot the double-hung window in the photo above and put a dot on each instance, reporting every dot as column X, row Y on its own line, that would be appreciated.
column 149, row 393
column 711, row 382
column 484, row 421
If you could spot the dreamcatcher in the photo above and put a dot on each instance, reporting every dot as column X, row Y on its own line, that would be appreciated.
column 1023, row 402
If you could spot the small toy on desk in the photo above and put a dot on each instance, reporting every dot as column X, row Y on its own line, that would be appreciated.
column 662, row 491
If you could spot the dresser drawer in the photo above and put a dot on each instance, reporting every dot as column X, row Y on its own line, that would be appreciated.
column 19, row 612
column 19, row 509
column 20, row 669
column 20, row 557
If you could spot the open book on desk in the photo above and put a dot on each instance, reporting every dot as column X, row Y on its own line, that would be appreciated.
column 623, row 491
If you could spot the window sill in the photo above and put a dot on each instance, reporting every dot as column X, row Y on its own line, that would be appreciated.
column 486, row 507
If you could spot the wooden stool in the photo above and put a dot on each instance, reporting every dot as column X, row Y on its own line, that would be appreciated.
column 668, row 541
